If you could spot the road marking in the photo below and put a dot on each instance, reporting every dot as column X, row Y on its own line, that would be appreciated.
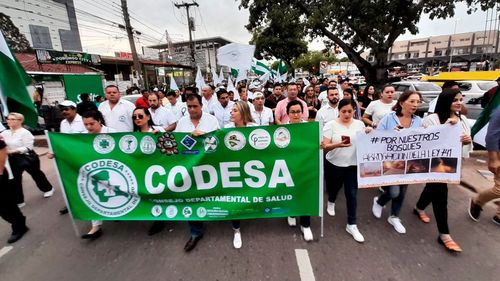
column 305, row 267
column 5, row 250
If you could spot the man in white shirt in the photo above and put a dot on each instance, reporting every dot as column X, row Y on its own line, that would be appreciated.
column 262, row 115
column 330, row 111
column 323, row 96
column 208, row 97
column 117, row 112
column 73, row 122
column 243, row 92
column 197, row 123
column 161, row 116
column 222, row 109
column 175, row 104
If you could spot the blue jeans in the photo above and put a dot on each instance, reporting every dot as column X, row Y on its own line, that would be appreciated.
column 397, row 194
column 196, row 228
column 347, row 177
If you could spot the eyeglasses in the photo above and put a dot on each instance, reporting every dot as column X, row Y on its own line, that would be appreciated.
column 12, row 119
column 295, row 112
column 138, row 116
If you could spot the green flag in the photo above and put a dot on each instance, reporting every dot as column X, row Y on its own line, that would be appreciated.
column 13, row 82
column 260, row 68
column 484, row 118
column 234, row 72
column 282, row 68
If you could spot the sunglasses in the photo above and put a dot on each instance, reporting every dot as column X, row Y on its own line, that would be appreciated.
column 138, row 116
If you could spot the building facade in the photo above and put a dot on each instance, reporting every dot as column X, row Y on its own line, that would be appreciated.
column 47, row 24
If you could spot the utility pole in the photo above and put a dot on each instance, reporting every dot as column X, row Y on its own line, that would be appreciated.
column 190, row 26
column 128, row 27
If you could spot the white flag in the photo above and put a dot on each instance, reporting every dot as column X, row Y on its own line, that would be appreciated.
column 236, row 55
column 173, row 85
column 215, row 77
column 221, row 75
column 264, row 78
column 230, row 87
column 242, row 75
column 200, row 82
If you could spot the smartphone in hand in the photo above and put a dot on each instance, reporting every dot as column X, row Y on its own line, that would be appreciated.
column 346, row 139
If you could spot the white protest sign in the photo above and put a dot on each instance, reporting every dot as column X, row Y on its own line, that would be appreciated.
column 409, row 156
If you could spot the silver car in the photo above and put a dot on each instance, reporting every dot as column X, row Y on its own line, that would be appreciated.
column 428, row 90
column 474, row 89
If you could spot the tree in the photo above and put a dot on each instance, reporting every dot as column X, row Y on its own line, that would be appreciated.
column 356, row 25
column 281, row 39
column 15, row 39
column 310, row 61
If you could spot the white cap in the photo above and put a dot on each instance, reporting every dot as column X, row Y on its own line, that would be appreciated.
column 68, row 103
column 258, row 95
column 155, row 90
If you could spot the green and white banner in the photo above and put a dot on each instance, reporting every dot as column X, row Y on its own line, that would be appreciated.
column 244, row 173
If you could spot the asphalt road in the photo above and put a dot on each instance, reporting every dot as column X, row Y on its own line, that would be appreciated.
column 51, row 251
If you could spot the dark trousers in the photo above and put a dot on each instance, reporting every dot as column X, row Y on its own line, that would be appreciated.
column 196, row 228
column 437, row 194
column 397, row 194
column 16, row 162
column 305, row 221
column 236, row 224
column 8, row 206
column 347, row 177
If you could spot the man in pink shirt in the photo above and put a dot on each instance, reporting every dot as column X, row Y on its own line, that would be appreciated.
column 281, row 117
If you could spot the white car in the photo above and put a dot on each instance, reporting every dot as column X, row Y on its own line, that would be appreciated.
column 428, row 90
column 473, row 89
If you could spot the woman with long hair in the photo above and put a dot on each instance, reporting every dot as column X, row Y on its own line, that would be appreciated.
column 95, row 124
column 143, row 122
column 313, row 104
column 22, row 158
column 339, row 140
column 447, row 110
column 369, row 95
column 240, row 117
column 402, row 117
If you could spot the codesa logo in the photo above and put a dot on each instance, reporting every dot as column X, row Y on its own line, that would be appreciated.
column 108, row 187
column 104, row 144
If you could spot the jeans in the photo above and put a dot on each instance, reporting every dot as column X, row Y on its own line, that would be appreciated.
column 196, row 228
column 347, row 177
column 397, row 194
column 437, row 194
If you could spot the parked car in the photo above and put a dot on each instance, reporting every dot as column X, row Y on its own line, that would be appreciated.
column 428, row 90
column 131, row 98
column 475, row 89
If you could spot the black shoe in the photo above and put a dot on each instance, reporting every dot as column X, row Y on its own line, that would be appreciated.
column 17, row 235
column 191, row 243
column 92, row 236
column 63, row 211
column 156, row 227
column 474, row 210
column 496, row 220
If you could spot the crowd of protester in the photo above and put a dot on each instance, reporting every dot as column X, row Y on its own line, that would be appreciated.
column 341, row 109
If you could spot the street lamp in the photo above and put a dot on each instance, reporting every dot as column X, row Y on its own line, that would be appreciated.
column 451, row 50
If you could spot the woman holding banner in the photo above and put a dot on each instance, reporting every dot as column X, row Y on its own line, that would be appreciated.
column 240, row 117
column 95, row 124
column 339, row 139
column 402, row 117
column 447, row 110
column 294, row 110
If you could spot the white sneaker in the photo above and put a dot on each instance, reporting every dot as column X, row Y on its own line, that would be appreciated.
column 376, row 208
column 237, row 239
column 396, row 222
column 308, row 235
column 330, row 208
column 20, row 205
column 292, row 221
column 49, row 193
column 353, row 230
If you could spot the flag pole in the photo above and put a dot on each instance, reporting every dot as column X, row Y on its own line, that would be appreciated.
column 321, row 188
column 75, row 228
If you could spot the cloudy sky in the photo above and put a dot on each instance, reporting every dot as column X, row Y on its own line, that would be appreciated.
column 212, row 18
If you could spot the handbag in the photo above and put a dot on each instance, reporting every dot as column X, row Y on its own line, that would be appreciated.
column 26, row 160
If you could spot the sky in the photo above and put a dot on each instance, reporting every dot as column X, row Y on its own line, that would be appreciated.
column 212, row 18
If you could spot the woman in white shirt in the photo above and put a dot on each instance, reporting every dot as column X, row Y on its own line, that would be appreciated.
column 447, row 110
column 339, row 139
column 22, row 158
column 240, row 117
column 376, row 110
column 95, row 124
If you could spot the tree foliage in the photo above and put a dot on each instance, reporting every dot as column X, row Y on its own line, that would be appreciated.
column 15, row 39
column 281, row 39
column 310, row 61
column 355, row 25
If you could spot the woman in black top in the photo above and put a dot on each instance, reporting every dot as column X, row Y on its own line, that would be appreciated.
column 369, row 95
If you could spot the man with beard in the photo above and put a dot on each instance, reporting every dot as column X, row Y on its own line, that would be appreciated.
column 329, row 111
column 161, row 116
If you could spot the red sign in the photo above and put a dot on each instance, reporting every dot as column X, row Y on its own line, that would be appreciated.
column 123, row 55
